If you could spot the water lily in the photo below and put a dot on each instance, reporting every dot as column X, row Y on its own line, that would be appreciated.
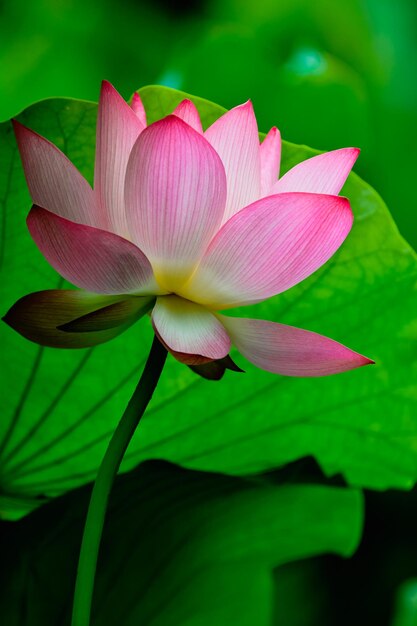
column 183, row 224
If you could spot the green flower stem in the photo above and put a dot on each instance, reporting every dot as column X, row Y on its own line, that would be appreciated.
column 120, row 440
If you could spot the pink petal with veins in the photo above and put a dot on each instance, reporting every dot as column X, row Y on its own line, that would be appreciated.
column 187, row 111
column 175, row 197
column 138, row 108
column 235, row 137
column 92, row 259
column 270, row 151
column 268, row 247
column 118, row 127
column 290, row 351
column 324, row 173
column 54, row 182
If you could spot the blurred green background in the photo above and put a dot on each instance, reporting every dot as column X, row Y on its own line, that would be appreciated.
column 328, row 74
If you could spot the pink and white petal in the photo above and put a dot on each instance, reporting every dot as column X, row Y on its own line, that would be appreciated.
column 324, row 173
column 188, row 328
column 138, row 108
column 187, row 111
column 175, row 197
column 118, row 127
column 270, row 151
column 268, row 247
column 54, row 182
column 90, row 258
column 235, row 138
column 290, row 351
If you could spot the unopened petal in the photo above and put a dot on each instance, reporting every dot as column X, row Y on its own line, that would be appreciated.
column 188, row 328
column 124, row 311
column 290, row 351
column 270, row 151
column 54, row 182
column 235, row 137
column 187, row 111
column 269, row 247
column 39, row 316
column 92, row 259
column 118, row 127
column 324, row 173
column 175, row 197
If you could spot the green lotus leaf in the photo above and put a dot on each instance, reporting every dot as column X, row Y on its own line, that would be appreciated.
column 179, row 547
column 61, row 406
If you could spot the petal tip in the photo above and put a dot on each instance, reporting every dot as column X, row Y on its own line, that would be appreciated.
column 344, row 204
column 247, row 106
column 34, row 213
column 188, row 112
column 185, row 105
column 137, row 107
column 9, row 318
column 351, row 153
column 366, row 361
column 20, row 129
column 346, row 211
column 109, row 91
column 25, row 137
column 107, row 86
column 355, row 152
column 172, row 121
column 15, row 123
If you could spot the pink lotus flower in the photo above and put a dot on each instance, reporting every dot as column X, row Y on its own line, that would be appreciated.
column 183, row 223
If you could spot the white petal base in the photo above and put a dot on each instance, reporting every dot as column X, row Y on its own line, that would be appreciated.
column 189, row 328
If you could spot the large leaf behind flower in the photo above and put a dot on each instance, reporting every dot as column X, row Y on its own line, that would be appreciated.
column 179, row 548
column 59, row 407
